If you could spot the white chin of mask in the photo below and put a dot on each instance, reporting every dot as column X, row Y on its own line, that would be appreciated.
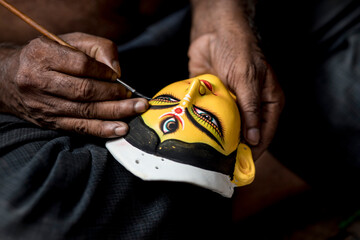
column 150, row 167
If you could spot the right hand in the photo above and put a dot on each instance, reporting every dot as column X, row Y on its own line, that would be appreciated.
column 61, row 88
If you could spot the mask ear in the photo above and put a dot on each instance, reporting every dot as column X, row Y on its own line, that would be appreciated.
column 244, row 172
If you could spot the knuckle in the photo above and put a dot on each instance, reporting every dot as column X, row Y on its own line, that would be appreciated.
column 102, row 131
column 115, row 110
column 46, row 121
column 238, row 72
column 26, row 80
column 109, row 44
column 35, row 49
column 248, row 72
column 33, row 62
column 81, row 127
column 39, row 113
column 31, row 106
column 87, row 110
column 86, row 90
column 23, row 80
column 51, row 122
column 103, row 43
column 34, row 44
column 251, row 106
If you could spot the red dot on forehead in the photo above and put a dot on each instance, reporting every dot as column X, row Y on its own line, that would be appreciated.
column 178, row 110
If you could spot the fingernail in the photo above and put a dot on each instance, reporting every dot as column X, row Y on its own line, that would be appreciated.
column 114, row 76
column 253, row 136
column 121, row 130
column 128, row 93
column 140, row 107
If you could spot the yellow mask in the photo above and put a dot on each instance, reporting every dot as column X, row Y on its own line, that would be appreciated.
column 195, row 122
column 199, row 109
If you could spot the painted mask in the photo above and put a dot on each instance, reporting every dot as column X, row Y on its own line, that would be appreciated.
column 191, row 133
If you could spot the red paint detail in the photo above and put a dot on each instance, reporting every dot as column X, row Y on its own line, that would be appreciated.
column 175, row 116
column 179, row 119
column 208, row 85
column 178, row 110
column 169, row 114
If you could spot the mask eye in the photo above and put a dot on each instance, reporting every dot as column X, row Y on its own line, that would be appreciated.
column 206, row 116
column 166, row 98
column 163, row 101
column 207, row 122
column 169, row 125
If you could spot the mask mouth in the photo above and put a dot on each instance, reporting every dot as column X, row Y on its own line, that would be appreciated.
column 142, row 154
column 196, row 154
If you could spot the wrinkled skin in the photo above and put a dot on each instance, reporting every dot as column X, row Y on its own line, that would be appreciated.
column 62, row 88
column 59, row 88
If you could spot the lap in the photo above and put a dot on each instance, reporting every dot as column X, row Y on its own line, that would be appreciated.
column 56, row 185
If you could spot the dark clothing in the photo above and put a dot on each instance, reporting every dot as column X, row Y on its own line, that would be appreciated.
column 314, row 47
column 59, row 186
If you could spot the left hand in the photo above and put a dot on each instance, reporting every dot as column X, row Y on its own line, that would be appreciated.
column 234, row 56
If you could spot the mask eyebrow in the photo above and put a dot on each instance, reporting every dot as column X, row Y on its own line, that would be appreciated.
column 201, row 128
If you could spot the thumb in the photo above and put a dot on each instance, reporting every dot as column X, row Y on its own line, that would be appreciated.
column 102, row 49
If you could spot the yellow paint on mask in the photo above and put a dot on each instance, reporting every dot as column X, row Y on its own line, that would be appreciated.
column 196, row 110
column 244, row 170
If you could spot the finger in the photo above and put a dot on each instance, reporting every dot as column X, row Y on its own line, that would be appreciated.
column 99, row 128
column 76, row 63
column 199, row 56
column 99, row 110
column 82, row 89
column 270, row 117
column 272, row 105
column 102, row 49
column 249, row 103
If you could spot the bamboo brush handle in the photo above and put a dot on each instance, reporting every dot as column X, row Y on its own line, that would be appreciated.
column 35, row 25
column 55, row 38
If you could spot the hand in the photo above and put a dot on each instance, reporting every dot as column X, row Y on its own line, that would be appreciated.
column 234, row 56
column 61, row 88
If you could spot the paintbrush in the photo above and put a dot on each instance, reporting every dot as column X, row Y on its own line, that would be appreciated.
column 55, row 38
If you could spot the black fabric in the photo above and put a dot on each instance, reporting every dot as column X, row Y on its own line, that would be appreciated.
column 314, row 47
column 59, row 186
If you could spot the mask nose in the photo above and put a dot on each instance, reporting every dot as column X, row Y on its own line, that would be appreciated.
column 195, row 89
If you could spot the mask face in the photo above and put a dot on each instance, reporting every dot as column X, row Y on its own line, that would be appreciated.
column 191, row 133
column 196, row 110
